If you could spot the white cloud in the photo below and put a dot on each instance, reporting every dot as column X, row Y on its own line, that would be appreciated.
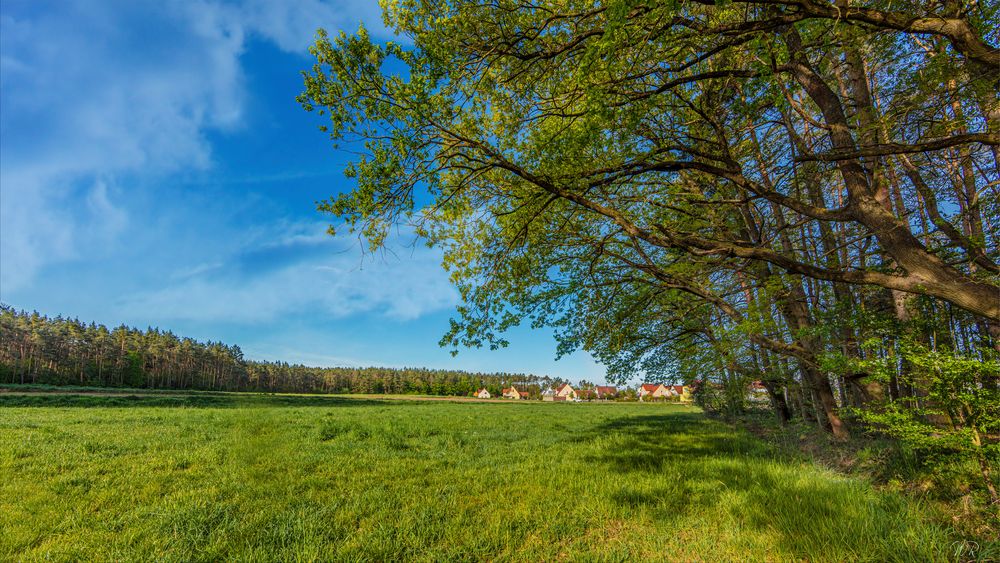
column 98, row 95
column 320, row 275
column 112, row 219
column 292, row 26
column 32, row 231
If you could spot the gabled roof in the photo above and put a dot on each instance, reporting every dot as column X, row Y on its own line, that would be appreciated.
column 563, row 386
column 606, row 390
column 651, row 386
column 679, row 389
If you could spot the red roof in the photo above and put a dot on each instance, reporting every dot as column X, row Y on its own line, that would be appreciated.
column 563, row 386
column 679, row 389
column 650, row 386
column 606, row 390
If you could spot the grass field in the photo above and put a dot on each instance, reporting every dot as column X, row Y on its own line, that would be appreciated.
column 207, row 477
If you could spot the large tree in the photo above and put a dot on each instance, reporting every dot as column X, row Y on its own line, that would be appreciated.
column 765, row 162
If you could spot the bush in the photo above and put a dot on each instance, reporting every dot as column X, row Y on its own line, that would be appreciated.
column 953, row 414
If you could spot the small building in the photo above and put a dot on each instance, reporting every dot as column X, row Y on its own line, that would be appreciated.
column 681, row 392
column 653, row 391
column 586, row 394
column 566, row 392
column 676, row 390
column 757, row 392
column 513, row 393
column 483, row 394
column 605, row 392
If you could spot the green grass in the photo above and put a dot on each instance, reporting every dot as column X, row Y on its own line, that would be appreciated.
column 208, row 477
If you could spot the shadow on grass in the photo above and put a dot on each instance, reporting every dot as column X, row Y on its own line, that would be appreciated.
column 655, row 441
column 174, row 400
column 689, row 465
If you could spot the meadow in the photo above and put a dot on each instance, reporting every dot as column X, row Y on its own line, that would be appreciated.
column 204, row 477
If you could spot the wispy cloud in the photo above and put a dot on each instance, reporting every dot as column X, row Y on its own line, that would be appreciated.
column 302, row 270
column 96, row 95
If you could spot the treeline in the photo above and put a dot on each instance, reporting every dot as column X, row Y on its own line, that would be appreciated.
column 38, row 349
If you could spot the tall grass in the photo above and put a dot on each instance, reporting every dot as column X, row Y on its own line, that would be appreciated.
column 259, row 478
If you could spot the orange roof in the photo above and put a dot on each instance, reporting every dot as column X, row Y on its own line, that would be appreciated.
column 650, row 386
column 563, row 386
column 605, row 389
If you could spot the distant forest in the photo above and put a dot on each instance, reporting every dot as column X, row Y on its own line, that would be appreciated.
column 38, row 349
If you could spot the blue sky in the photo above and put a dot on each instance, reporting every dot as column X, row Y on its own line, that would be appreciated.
column 156, row 170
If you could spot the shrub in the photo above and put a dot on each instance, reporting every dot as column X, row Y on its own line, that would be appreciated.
column 953, row 414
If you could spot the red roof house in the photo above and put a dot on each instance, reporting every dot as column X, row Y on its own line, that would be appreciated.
column 605, row 391
column 653, row 390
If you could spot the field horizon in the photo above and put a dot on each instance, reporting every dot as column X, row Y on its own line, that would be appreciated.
column 207, row 476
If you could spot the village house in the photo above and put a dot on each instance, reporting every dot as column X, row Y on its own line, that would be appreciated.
column 653, row 391
column 550, row 395
column 566, row 392
column 682, row 391
column 757, row 393
column 513, row 393
column 483, row 394
column 605, row 392
column 586, row 394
